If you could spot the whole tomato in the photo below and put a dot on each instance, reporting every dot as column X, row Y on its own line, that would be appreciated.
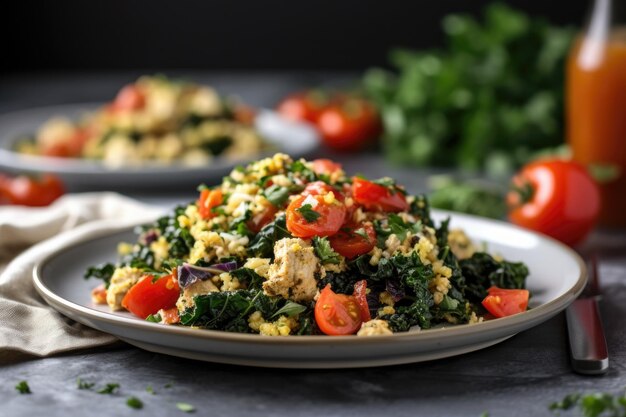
column 303, row 106
column 555, row 197
column 349, row 124
column 27, row 191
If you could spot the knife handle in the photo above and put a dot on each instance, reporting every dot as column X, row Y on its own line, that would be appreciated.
column 587, row 343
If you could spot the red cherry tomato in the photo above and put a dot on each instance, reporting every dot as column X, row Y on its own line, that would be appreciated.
column 326, row 166
column 502, row 302
column 555, row 197
column 27, row 191
column 321, row 188
column 337, row 314
column 360, row 294
column 303, row 106
column 129, row 98
column 352, row 241
column 378, row 197
column 149, row 296
column 349, row 125
column 72, row 147
column 209, row 199
column 311, row 215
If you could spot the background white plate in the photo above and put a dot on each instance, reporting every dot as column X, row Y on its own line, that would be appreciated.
column 557, row 276
column 295, row 139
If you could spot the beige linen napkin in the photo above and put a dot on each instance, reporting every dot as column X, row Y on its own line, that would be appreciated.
column 28, row 326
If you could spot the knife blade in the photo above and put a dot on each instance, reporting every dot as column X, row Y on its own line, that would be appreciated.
column 588, row 350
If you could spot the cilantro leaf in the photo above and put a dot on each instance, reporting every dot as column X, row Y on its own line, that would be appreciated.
column 23, row 387
column 277, row 195
column 324, row 251
column 290, row 309
column 308, row 213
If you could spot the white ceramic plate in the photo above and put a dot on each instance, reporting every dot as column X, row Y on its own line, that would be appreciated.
column 295, row 139
column 557, row 276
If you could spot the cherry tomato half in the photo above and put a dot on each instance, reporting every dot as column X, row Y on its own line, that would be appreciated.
column 312, row 215
column 555, row 197
column 352, row 241
column 71, row 147
column 256, row 223
column 303, row 106
column 502, row 302
column 349, row 125
column 337, row 314
column 27, row 191
column 360, row 294
column 209, row 199
column 149, row 296
column 378, row 197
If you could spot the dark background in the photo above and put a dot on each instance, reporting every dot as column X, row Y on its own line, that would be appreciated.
column 232, row 35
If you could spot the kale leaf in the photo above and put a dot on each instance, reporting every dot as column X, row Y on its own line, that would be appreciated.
column 262, row 245
column 102, row 271
column 481, row 271
column 324, row 251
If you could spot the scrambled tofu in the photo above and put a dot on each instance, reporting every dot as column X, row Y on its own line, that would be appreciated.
column 293, row 273
column 374, row 327
column 121, row 281
column 185, row 300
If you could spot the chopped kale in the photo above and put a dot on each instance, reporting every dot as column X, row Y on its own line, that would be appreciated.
column 23, row 387
column 481, row 271
column 102, row 271
column 324, row 251
column 134, row 402
column 340, row 282
column 179, row 238
column 278, row 195
column 290, row 309
column 249, row 278
column 229, row 310
column 421, row 209
column 262, row 245
column 109, row 388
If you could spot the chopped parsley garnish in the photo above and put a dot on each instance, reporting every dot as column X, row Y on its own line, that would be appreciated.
column 23, row 387
column 84, row 384
column 109, row 388
column 593, row 405
column 290, row 309
column 187, row 408
column 134, row 402
column 324, row 251
column 308, row 213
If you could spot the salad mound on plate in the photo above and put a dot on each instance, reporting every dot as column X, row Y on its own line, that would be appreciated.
column 291, row 247
column 156, row 120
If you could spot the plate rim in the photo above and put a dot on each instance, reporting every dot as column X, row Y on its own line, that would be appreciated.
column 515, row 323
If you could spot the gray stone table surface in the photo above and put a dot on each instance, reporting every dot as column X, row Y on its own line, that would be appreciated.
column 518, row 377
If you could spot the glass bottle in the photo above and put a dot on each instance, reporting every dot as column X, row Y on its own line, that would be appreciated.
column 596, row 104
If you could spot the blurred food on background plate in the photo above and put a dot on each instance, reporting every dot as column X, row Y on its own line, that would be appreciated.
column 154, row 120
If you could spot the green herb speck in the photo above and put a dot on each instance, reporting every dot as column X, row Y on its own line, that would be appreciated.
column 23, row 387
column 187, row 408
column 134, row 402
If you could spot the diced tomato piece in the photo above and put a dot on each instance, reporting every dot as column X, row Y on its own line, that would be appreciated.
column 209, row 199
column 360, row 294
column 150, row 295
column 378, row 197
column 321, row 188
column 326, row 166
column 501, row 302
column 99, row 295
column 170, row 316
column 129, row 98
column 257, row 222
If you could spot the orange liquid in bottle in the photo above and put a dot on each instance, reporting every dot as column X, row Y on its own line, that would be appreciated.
column 596, row 115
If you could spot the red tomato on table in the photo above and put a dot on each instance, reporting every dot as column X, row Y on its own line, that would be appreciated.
column 337, row 314
column 312, row 215
column 378, row 197
column 555, row 197
column 303, row 106
column 150, row 295
column 502, row 302
column 352, row 241
column 28, row 191
column 349, row 125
